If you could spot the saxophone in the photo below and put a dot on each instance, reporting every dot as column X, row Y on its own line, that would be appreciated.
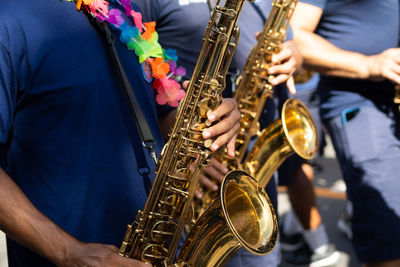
column 156, row 232
column 252, row 90
column 295, row 130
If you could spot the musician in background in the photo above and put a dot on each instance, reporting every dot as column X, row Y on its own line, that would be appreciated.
column 353, row 45
column 70, row 152
column 312, row 242
column 181, row 25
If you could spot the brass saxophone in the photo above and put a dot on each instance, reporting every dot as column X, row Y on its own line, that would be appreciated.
column 295, row 130
column 252, row 90
column 155, row 233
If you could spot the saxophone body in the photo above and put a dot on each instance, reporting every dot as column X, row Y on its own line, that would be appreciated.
column 252, row 90
column 295, row 131
column 254, row 86
column 155, row 233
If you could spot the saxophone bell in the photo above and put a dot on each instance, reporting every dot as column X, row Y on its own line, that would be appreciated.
column 294, row 132
column 243, row 216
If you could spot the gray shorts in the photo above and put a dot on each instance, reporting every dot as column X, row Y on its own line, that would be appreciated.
column 367, row 144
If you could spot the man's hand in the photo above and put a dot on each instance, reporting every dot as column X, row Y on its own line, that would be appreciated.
column 226, row 128
column 385, row 65
column 227, row 117
column 212, row 176
column 97, row 255
column 284, row 65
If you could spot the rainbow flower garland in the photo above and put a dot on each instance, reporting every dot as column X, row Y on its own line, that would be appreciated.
column 143, row 39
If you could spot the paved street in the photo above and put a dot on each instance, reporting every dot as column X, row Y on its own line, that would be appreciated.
column 331, row 200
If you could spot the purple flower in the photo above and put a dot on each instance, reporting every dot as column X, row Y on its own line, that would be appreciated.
column 176, row 71
column 114, row 17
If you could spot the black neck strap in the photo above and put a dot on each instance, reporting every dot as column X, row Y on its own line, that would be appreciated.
column 146, row 135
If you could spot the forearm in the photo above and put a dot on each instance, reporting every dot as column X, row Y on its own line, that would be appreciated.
column 322, row 56
column 21, row 221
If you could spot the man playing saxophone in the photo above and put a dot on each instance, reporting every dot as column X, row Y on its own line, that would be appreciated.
column 73, row 169
column 354, row 45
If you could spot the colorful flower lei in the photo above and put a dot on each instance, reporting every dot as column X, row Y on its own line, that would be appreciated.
column 143, row 39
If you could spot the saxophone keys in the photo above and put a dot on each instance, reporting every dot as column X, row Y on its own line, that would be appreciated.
column 208, row 143
column 214, row 84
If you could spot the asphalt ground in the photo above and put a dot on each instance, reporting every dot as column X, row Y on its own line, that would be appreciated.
column 331, row 199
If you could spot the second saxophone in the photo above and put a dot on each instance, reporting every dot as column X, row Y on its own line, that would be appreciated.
column 295, row 132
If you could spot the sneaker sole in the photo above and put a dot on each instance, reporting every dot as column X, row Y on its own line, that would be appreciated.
column 332, row 259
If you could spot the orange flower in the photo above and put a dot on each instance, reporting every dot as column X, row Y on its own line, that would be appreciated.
column 159, row 67
column 150, row 29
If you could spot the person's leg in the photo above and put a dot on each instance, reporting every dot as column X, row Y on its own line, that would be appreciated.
column 300, row 188
column 313, row 247
column 302, row 197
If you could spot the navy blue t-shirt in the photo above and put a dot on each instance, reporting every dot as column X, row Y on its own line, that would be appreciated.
column 368, row 27
column 66, row 133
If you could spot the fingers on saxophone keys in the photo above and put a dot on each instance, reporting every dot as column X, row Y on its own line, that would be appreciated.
column 231, row 146
column 185, row 84
column 280, row 79
column 198, row 194
column 227, row 106
column 216, row 173
column 219, row 166
column 229, row 117
column 229, row 136
column 204, row 180
column 286, row 68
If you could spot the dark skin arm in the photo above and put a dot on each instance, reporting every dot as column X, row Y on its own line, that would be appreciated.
column 322, row 56
column 21, row 221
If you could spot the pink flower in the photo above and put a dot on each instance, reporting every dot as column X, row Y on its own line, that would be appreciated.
column 137, row 18
column 98, row 7
column 168, row 91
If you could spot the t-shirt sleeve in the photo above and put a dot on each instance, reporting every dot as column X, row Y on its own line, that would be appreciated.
column 289, row 34
column 8, row 94
column 318, row 3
